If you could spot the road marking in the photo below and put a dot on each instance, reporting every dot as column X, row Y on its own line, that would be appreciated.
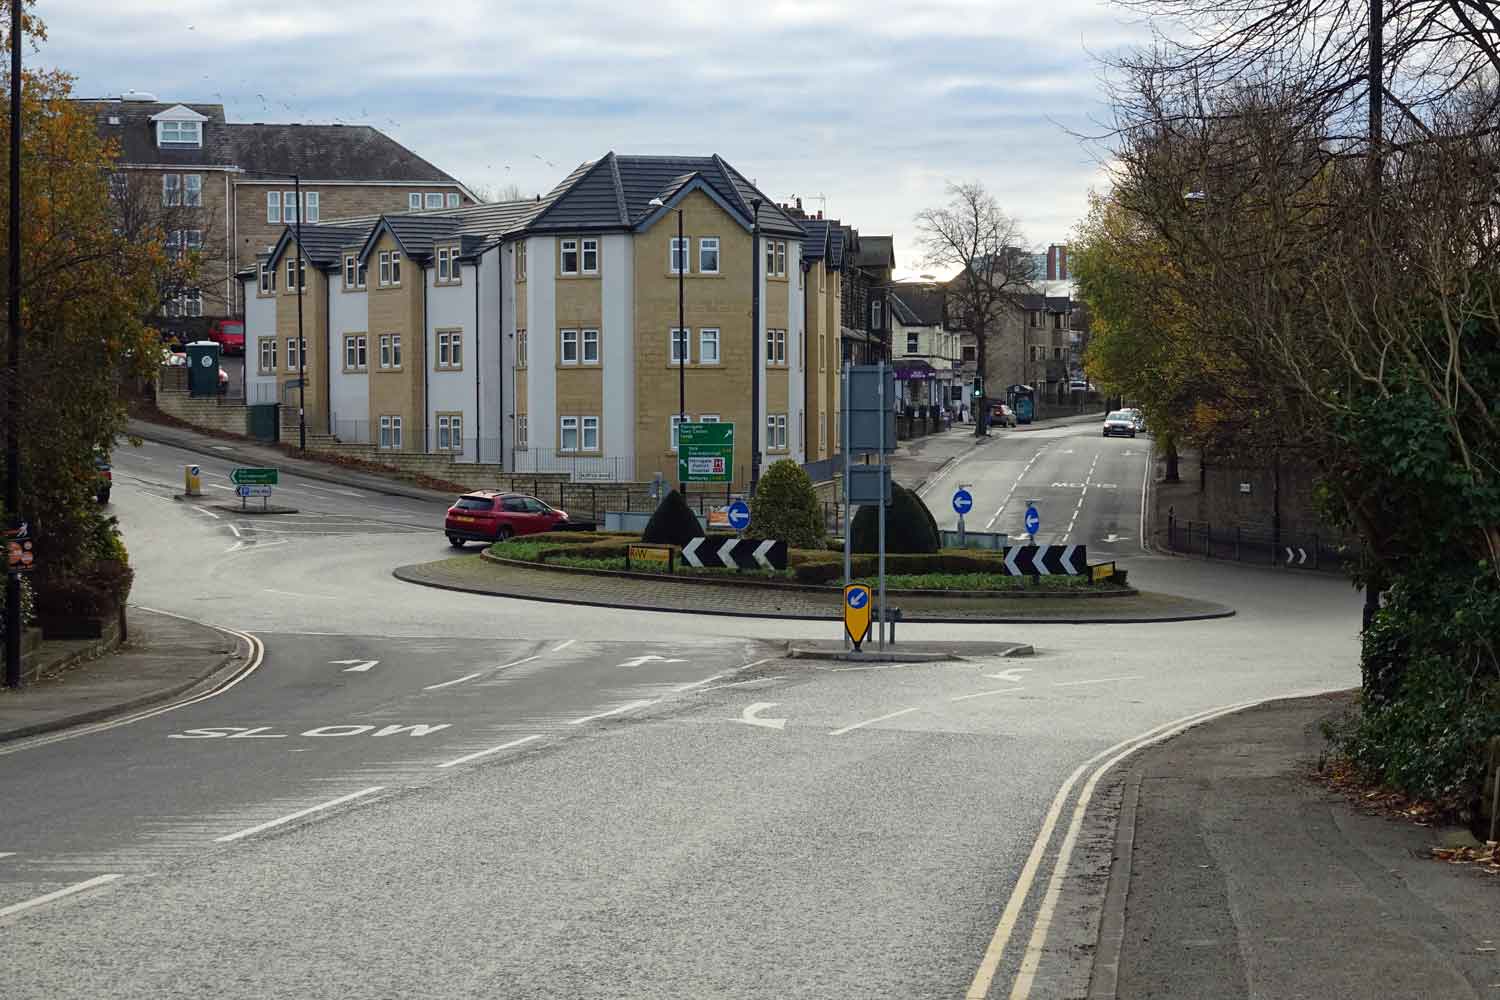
column 562, row 646
column 695, row 684
column 871, row 722
column 7, row 854
column 1013, row 675
column 71, row 890
column 1098, row 680
column 208, row 512
column 456, row 680
column 235, row 530
column 1145, row 484
column 485, row 753
column 359, row 666
column 218, row 486
column 292, row 593
column 627, row 707
column 986, row 694
column 748, row 716
column 282, row 820
column 636, row 661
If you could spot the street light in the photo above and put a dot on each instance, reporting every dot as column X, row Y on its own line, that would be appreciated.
column 681, row 331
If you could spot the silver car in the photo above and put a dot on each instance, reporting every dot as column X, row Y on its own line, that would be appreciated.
column 1119, row 422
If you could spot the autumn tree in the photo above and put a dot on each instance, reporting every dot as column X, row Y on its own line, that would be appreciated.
column 971, row 236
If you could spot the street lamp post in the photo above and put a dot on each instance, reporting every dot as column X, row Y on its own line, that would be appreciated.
column 13, row 358
column 681, row 265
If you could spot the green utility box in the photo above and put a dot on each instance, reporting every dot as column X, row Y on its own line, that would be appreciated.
column 203, row 368
column 265, row 421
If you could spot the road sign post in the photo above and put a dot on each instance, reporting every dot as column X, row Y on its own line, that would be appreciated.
column 857, row 603
column 963, row 502
column 705, row 452
column 1033, row 519
column 739, row 515
column 254, row 477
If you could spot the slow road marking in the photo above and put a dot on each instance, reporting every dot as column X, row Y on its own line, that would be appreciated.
column 289, row 817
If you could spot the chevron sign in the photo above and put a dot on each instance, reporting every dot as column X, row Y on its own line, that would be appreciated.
column 735, row 553
column 1046, row 560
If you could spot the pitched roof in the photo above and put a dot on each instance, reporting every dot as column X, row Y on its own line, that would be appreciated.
column 135, row 133
column 815, row 243
column 615, row 192
column 875, row 251
column 836, row 245
column 917, row 304
column 321, row 244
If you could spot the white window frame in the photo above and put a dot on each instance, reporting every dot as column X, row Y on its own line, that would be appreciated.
column 396, row 268
column 680, row 336
column 566, row 339
column 672, row 429
column 564, row 425
column 267, row 283
column 362, row 272
column 521, row 348
column 442, row 264
column 434, row 201
column 267, row 354
column 913, row 342
column 709, row 335
column 295, row 273
column 171, row 190
column 708, row 418
column 351, row 271
column 289, row 207
column 414, row 201
column 450, row 432
column 585, row 427
column 395, row 350
column 454, row 200
column 587, row 246
column 770, row 258
column 310, row 206
column 273, row 206
column 822, row 352
column 192, row 190
column 565, row 247
column 385, row 351
column 521, row 260
column 456, row 349
column 362, row 349
column 677, row 254
column 182, row 134
column 293, row 353
column 875, row 314
column 385, row 268
column 588, row 338
column 781, row 348
column 521, row 431
column 192, row 302
column 781, row 258
column 385, row 432
column 351, row 354
column 708, row 245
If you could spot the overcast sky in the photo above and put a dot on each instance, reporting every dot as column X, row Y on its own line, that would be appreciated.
column 870, row 104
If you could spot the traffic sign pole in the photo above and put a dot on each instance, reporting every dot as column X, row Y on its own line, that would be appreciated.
column 963, row 502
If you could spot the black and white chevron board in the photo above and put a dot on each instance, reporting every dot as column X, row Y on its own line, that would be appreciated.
column 1046, row 560
column 735, row 553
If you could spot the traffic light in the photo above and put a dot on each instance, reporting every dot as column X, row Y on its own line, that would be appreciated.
column 978, row 389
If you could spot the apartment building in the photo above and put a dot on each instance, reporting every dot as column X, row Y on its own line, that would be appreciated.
column 925, row 354
column 225, row 189
column 822, row 302
column 545, row 334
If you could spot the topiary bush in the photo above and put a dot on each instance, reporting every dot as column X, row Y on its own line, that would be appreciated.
column 909, row 525
column 786, row 507
column 674, row 522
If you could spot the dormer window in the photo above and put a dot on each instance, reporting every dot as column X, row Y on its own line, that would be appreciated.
column 179, row 133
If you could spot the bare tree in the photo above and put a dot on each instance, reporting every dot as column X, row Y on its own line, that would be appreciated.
column 192, row 237
column 972, row 236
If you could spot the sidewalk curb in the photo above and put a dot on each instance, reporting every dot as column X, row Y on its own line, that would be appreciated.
column 942, row 470
column 149, row 432
column 1104, row 977
column 227, row 662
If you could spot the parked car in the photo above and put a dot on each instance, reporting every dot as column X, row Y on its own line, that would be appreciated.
column 493, row 516
column 229, row 334
column 1119, row 422
column 1002, row 415
column 1138, row 418
column 103, row 476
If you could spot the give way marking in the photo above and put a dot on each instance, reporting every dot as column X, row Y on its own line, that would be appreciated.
column 354, row 666
column 750, row 715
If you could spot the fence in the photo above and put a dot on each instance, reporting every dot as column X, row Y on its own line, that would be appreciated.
column 1296, row 550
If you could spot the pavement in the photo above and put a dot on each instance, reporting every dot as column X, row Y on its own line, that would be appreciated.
column 165, row 656
column 1236, row 874
column 477, row 575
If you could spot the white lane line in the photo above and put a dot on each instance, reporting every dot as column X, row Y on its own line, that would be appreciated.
column 1098, row 680
column 289, row 817
column 562, row 646
column 485, row 753
column 1145, row 489
column 234, row 529
column 7, row 854
column 871, row 722
column 77, row 887
column 696, row 684
column 627, row 707
column 986, row 694
column 293, row 593
column 219, row 486
column 208, row 512
column 456, row 680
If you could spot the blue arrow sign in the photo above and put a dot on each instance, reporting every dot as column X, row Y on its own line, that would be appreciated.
column 858, row 597
column 1033, row 520
column 739, row 515
column 963, row 502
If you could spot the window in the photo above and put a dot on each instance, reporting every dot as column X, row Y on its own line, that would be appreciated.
column 351, row 272
column 385, row 267
column 351, row 358
column 289, row 206
column 781, row 258
column 1034, row 317
column 310, row 204
column 268, row 354
column 875, row 323
column 1057, row 353
column 362, row 352
column 385, row 350
column 171, row 189
column 191, row 302
column 568, row 439
column 770, row 258
column 822, row 352
column 442, row 271
column 179, row 133
column 677, row 259
column 971, row 354
column 453, row 200
column 708, row 255
column 708, row 346
column 294, row 272
column 709, row 418
column 1057, row 321
column 912, row 342
column 395, row 267
column 414, row 202
column 776, row 432
column 591, row 347
column 296, row 360
column 450, row 352
column 521, row 261
column 192, row 190
column 521, row 431
column 450, row 432
column 679, row 340
column 119, row 186
column 569, row 355
column 1036, row 353
column 434, row 200
column 590, row 256
column 569, row 256
column 775, row 347
column 390, row 432
column 590, row 434
column 267, row 285
column 363, row 275
column 395, row 350
column 273, row 205
column 672, row 423
column 520, row 348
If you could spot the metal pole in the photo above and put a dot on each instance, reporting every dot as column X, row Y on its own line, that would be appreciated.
column 681, row 358
column 301, row 341
column 756, row 359
column 844, row 443
column 13, row 357
column 880, row 396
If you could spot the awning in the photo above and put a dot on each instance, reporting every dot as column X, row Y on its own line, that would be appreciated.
column 913, row 370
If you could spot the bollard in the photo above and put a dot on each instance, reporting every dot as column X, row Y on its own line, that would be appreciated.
column 192, row 483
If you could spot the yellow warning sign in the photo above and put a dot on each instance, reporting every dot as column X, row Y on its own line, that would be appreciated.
column 857, row 601
column 1102, row 572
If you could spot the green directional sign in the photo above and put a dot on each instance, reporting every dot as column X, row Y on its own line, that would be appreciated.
column 253, row 477
column 705, row 453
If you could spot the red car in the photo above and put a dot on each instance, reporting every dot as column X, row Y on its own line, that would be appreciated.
column 492, row 516
column 229, row 334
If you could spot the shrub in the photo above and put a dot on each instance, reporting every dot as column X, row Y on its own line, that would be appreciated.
column 909, row 525
column 96, row 591
column 787, row 508
column 674, row 522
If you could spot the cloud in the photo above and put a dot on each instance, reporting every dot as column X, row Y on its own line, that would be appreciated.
column 869, row 108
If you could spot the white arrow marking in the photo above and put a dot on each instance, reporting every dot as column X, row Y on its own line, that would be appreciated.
column 1301, row 556
column 1010, row 560
column 1288, row 555
column 358, row 666
column 637, row 661
column 690, row 552
column 748, row 716
column 1012, row 675
column 1067, row 486
column 1107, row 486
column 726, row 552
column 1038, row 563
column 760, row 553
column 1067, row 560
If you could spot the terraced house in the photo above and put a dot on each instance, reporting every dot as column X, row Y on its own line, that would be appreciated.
column 545, row 335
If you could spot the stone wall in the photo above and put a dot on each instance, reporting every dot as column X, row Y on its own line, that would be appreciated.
column 212, row 412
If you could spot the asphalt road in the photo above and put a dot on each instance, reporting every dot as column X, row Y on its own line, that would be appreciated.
column 660, row 814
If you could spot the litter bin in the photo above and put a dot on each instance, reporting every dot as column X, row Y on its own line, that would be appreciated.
column 203, row 368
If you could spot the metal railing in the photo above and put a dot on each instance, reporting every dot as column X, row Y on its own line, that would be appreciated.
column 1288, row 549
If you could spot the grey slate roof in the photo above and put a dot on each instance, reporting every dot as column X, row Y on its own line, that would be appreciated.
column 836, row 245
column 917, row 304
column 322, row 245
column 815, row 243
column 1059, row 303
column 135, row 136
column 614, row 192
column 875, row 251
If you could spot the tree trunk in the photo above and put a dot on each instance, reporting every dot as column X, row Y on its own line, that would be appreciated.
column 1172, row 476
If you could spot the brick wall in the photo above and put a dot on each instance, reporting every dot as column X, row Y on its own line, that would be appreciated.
column 213, row 412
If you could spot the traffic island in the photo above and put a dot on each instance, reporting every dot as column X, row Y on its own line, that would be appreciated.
column 926, row 652
column 738, row 596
